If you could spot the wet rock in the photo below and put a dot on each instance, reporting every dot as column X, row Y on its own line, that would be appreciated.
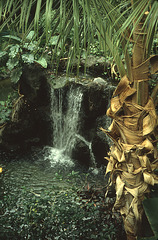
column 81, row 153
column 100, row 81
column 96, row 97
column 30, row 119
column 96, row 65
column 31, row 124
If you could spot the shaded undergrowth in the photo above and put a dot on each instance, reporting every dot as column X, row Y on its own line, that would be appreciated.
column 58, row 213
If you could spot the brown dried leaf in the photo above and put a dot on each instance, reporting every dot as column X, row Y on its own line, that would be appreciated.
column 123, row 84
column 154, row 64
column 148, row 178
column 119, row 187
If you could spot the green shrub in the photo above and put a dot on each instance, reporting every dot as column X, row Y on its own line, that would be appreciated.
column 56, row 214
column 13, row 56
column 6, row 107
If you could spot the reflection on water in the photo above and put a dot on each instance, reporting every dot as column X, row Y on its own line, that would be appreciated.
column 40, row 172
column 36, row 171
column 41, row 169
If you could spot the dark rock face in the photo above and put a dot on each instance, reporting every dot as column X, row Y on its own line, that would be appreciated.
column 96, row 99
column 81, row 153
column 31, row 123
column 96, row 65
column 91, row 143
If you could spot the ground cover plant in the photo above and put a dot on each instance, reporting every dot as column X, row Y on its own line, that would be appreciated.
column 75, row 213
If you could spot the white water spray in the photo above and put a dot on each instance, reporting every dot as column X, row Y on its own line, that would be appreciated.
column 65, row 123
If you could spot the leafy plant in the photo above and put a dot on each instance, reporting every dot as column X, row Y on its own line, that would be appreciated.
column 151, row 210
column 57, row 214
column 18, row 54
column 6, row 108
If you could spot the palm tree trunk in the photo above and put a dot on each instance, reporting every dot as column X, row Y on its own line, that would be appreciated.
column 132, row 159
column 140, row 65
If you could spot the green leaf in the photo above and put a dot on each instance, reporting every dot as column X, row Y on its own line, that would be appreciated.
column 53, row 41
column 37, row 13
column 48, row 12
column 1, row 10
column 2, row 53
column 2, row 103
column 148, row 238
column 42, row 62
column 12, row 37
column 14, row 50
column 28, row 58
column 151, row 210
column 12, row 62
column 16, row 74
column 31, row 46
column 30, row 35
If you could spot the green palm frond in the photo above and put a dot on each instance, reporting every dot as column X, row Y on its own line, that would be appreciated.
column 84, row 19
column 151, row 25
column 8, row 17
column 37, row 14
column 48, row 17
column 1, row 10
column 25, row 13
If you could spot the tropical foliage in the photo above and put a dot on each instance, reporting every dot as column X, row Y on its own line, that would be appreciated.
column 59, row 213
column 6, row 108
column 126, row 30
column 77, row 24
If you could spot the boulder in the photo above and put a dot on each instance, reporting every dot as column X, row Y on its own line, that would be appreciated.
column 31, row 124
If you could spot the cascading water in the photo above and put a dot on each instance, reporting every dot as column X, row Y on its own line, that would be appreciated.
column 65, row 121
column 66, row 104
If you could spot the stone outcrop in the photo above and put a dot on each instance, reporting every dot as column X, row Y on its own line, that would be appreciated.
column 31, row 122
column 91, row 142
column 30, row 115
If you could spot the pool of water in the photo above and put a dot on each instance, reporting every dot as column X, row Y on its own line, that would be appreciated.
column 25, row 180
column 43, row 168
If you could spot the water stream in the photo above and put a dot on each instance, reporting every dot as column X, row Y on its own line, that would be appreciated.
column 65, row 124
column 65, row 121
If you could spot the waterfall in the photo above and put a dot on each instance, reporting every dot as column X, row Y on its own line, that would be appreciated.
column 65, row 106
